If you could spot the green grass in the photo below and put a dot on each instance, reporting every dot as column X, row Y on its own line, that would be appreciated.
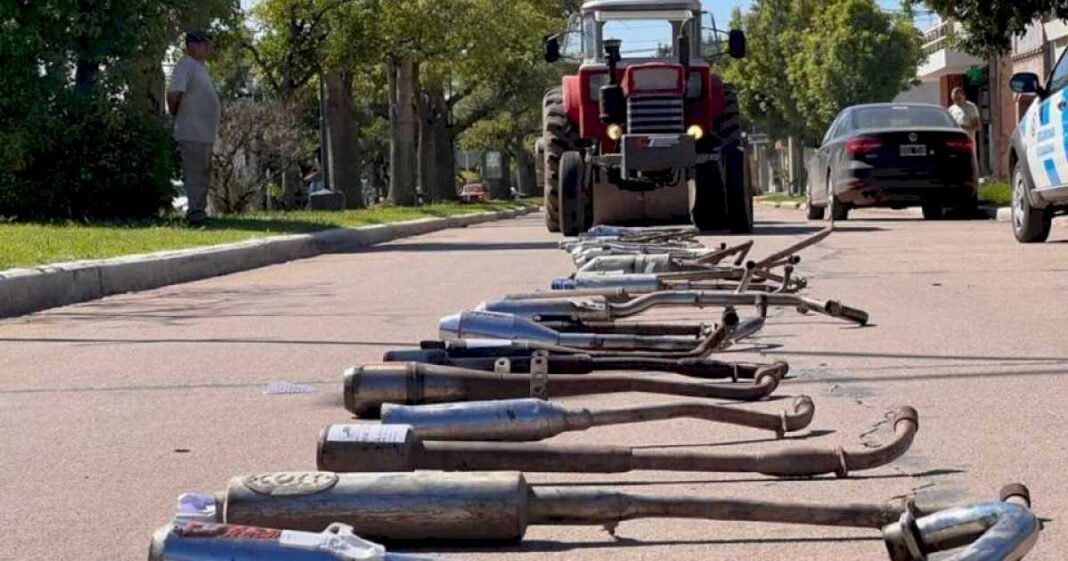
column 782, row 198
column 997, row 193
column 29, row 244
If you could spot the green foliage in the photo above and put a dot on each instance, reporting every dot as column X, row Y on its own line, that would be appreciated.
column 80, row 101
column 860, row 55
column 809, row 59
column 990, row 25
column 996, row 193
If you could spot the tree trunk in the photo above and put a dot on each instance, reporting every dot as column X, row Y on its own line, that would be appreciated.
column 528, row 178
column 403, row 81
column 427, row 148
column 445, row 160
column 437, row 162
column 342, row 141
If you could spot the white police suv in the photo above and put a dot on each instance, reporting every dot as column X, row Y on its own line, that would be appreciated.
column 1039, row 155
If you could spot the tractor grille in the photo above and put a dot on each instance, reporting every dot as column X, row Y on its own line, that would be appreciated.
column 654, row 115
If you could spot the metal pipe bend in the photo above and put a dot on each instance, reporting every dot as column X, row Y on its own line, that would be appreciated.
column 991, row 531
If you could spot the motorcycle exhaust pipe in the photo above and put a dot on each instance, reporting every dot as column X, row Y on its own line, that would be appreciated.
column 535, row 419
column 600, row 309
column 368, row 387
column 395, row 448
column 442, row 506
column 186, row 540
column 508, row 363
column 995, row 531
column 494, row 325
column 643, row 329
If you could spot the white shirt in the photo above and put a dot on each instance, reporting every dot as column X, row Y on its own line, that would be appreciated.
column 965, row 115
column 198, row 114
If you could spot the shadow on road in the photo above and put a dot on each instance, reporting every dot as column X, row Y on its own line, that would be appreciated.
column 447, row 246
column 797, row 229
column 547, row 546
column 769, row 479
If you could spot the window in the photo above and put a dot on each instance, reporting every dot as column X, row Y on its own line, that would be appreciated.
column 589, row 35
column 1059, row 77
column 641, row 38
column 901, row 116
column 837, row 129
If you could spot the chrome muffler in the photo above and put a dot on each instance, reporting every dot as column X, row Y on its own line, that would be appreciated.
column 190, row 540
column 367, row 448
column 440, row 506
column 532, row 419
column 494, row 325
column 599, row 308
column 995, row 531
column 368, row 387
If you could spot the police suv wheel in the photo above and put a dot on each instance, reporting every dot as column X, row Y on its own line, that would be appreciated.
column 1029, row 224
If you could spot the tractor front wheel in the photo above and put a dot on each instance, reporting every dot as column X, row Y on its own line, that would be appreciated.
column 573, row 199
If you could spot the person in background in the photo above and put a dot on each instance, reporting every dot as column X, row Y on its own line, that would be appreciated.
column 194, row 103
column 965, row 112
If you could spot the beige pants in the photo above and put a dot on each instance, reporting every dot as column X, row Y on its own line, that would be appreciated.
column 196, row 172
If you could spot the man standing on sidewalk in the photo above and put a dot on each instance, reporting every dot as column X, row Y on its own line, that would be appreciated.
column 965, row 112
column 193, row 102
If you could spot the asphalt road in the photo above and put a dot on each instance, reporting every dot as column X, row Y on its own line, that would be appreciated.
column 112, row 408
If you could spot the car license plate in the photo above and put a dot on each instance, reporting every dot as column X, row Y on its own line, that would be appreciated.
column 913, row 149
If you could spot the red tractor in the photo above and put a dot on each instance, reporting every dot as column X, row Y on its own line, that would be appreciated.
column 644, row 132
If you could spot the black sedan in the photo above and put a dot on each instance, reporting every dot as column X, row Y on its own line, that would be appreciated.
column 893, row 155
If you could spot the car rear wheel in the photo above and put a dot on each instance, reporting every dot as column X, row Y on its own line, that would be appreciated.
column 837, row 209
column 1029, row 224
column 933, row 212
column 814, row 212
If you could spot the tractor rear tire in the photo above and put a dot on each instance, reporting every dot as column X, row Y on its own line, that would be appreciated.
column 539, row 164
column 560, row 136
column 739, row 194
column 708, row 199
column 728, row 126
column 574, row 202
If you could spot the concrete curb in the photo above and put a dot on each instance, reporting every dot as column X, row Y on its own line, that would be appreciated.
column 24, row 291
column 781, row 204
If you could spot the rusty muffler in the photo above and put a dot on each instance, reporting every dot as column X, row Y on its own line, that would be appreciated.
column 192, row 540
column 368, row 387
column 364, row 448
column 536, row 419
column 441, row 506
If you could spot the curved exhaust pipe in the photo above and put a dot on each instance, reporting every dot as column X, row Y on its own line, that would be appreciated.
column 367, row 388
column 595, row 308
column 396, row 448
column 511, row 360
column 992, row 531
column 535, row 419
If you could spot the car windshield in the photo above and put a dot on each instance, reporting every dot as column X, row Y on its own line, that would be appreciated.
column 901, row 117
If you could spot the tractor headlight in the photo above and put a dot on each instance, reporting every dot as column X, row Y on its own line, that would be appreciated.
column 696, row 132
column 615, row 132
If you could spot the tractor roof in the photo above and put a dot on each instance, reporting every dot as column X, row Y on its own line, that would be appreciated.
column 638, row 5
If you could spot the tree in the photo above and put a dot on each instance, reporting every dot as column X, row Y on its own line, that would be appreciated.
column 860, row 54
column 81, row 130
column 990, row 25
column 809, row 59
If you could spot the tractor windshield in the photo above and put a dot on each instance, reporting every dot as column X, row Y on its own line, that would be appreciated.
column 643, row 34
